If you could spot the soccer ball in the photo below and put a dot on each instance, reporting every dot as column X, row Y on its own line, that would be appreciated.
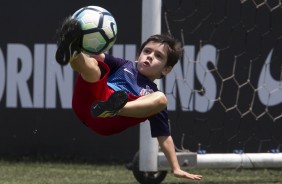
column 99, row 29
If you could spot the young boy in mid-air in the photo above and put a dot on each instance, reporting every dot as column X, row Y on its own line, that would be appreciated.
column 111, row 95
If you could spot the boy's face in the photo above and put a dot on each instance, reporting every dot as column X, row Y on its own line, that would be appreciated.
column 152, row 61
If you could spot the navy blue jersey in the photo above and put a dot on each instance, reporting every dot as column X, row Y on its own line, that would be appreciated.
column 124, row 76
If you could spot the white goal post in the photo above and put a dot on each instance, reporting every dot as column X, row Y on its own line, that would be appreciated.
column 151, row 24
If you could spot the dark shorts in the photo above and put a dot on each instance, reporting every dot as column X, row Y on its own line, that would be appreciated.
column 85, row 94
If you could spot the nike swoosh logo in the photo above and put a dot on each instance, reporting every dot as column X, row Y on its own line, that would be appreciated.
column 270, row 84
column 126, row 70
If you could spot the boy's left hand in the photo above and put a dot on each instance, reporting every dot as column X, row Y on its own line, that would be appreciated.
column 182, row 174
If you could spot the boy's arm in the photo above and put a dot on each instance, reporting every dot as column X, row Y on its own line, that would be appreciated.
column 167, row 146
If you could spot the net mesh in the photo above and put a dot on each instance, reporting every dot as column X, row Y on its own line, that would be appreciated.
column 225, row 94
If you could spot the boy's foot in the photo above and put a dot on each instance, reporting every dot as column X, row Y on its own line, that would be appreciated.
column 69, row 41
column 110, row 107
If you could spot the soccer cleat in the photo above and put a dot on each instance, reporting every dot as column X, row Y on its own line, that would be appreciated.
column 110, row 107
column 69, row 41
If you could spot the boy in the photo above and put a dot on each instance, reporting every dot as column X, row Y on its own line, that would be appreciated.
column 110, row 95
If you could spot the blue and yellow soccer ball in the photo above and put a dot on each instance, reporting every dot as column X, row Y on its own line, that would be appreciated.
column 99, row 29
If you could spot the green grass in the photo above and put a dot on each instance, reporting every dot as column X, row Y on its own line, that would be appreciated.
column 24, row 172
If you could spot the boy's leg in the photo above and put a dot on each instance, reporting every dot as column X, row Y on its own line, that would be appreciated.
column 69, row 51
column 87, row 67
column 145, row 106
column 142, row 107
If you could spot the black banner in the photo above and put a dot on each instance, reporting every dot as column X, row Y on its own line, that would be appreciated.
column 224, row 95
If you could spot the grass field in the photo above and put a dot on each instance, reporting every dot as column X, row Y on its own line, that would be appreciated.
column 12, row 172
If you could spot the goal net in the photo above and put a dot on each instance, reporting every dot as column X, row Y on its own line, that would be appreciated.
column 225, row 94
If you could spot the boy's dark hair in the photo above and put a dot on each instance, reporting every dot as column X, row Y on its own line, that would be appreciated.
column 173, row 47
